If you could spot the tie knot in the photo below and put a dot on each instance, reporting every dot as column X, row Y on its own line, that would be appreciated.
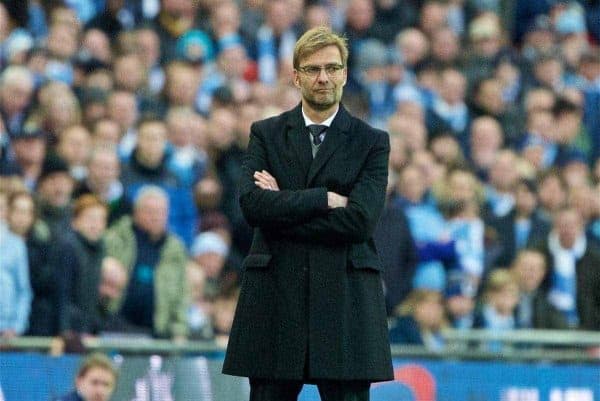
column 316, row 130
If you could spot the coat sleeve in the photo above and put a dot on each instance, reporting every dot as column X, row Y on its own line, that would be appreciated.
column 356, row 222
column 264, row 208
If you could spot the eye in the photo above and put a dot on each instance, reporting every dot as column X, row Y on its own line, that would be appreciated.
column 333, row 68
column 312, row 69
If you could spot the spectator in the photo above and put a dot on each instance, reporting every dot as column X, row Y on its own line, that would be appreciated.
column 391, row 16
column 45, row 255
column 15, row 292
column 534, row 310
column 201, row 308
column 499, row 302
column 16, row 90
column 155, row 260
column 413, row 46
column 113, row 281
column 78, row 293
column 552, row 192
column 523, row 226
column 29, row 149
column 420, row 320
column 574, row 271
column 122, row 108
column 450, row 106
column 96, row 380
column 103, row 181
column 485, row 142
column 186, row 161
column 223, row 313
column 503, row 176
column 74, row 146
column 148, row 165
column 460, row 306
column 210, row 251
column 55, row 188
column 275, row 40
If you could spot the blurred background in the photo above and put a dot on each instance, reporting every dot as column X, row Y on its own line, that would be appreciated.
column 122, row 132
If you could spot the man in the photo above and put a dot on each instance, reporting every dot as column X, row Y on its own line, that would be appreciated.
column 95, row 381
column 103, row 181
column 574, row 270
column 311, row 307
column 148, row 164
column 155, row 299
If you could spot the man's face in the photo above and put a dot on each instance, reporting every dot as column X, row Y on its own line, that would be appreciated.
column 151, row 215
column 56, row 189
column 15, row 96
column 91, row 222
column 530, row 270
column 569, row 227
column 103, row 169
column 324, row 91
column 151, row 143
column 96, row 385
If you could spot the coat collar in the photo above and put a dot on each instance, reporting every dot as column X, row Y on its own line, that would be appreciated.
column 298, row 136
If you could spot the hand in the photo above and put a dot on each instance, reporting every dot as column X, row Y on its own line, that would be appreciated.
column 335, row 200
column 264, row 180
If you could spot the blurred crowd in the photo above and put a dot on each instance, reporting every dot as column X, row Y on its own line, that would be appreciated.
column 124, row 123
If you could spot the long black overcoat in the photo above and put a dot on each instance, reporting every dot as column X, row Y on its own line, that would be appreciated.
column 311, row 304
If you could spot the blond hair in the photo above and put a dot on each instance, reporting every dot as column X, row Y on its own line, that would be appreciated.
column 416, row 297
column 498, row 280
column 317, row 38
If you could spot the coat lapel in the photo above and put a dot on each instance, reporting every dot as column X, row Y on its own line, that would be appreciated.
column 335, row 136
column 297, row 137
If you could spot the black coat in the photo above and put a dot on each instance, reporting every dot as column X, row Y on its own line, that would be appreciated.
column 311, row 304
column 587, row 271
column 396, row 248
column 505, row 227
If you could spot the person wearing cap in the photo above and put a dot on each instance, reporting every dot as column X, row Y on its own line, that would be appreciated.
column 210, row 251
column 311, row 307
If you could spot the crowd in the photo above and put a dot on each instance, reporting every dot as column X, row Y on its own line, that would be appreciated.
column 124, row 123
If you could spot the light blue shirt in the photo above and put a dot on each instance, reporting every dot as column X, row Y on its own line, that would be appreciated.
column 15, row 289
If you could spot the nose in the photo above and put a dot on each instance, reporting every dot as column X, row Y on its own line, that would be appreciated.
column 322, row 76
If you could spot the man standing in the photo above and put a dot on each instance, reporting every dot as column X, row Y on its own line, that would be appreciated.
column 311, row 307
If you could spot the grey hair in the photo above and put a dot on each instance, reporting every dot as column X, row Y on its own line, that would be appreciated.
column 16, row 73
column 150, row 191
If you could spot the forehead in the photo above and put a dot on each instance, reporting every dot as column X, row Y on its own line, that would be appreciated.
column 99, row 373
column 326, row 55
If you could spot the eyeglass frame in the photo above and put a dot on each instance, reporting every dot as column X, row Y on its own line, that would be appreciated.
column 330, row 69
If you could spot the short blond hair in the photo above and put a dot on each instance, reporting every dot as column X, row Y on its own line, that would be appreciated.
column 498, row 280
column 317, row 38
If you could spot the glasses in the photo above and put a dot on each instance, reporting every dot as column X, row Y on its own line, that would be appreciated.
column 314, row 71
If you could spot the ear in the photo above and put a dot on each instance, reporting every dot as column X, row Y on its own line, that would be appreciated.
column 296, row 79
column 345, row 76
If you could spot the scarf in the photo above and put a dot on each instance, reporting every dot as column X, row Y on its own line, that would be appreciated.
column 268, row 54
column 563, row 293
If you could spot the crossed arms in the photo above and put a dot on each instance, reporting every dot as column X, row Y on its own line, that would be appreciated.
column 314, row 214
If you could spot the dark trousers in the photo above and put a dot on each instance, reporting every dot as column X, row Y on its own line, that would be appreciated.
column 288, row 390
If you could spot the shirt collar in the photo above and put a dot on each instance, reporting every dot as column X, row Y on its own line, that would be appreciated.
column 308, row 121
